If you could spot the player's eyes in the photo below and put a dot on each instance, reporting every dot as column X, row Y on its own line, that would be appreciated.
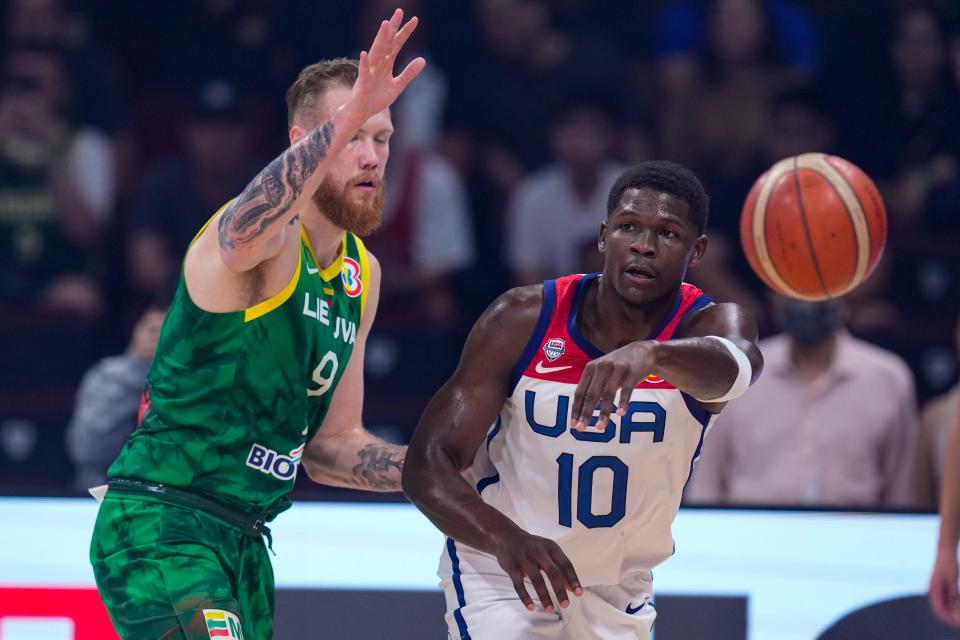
column 626, row 226
column 667, row 233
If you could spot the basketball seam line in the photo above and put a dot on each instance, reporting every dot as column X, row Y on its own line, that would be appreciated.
column 806, row 229
column 849, row 217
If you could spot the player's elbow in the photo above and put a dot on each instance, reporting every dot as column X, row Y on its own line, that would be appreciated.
column 319, row 462
column 411, row 478
column 426, row 465
column 238, row 259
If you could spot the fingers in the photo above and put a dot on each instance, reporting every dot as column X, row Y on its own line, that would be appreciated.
column 945, row 602
column 591, row 396
column 521, row 588
column 391, row 37
column 542, row 558
column 608, row 395
column 938, row 601
column 570, row 581
column 952, row 605
column 404, row 34
column 579, row 395
column 536, row 577
column 410, row 72
column 381, row 41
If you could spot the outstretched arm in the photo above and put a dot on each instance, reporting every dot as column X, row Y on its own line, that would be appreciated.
column 944, row 596
column 343, row 453
column 248, row 228
column 454, row 425
column 694, row 362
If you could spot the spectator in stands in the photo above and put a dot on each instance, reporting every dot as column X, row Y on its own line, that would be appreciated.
column 832, row 422
column 176, row 195
column 715, row 107
column 92, row 73
column 935, row 420
column 552, row 212
column 56, row 188
column 107, row 402
column 426, row 236
column 918, row 156
column 680, row 30
column 799, row 122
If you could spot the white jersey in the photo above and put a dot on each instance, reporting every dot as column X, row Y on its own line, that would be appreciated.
column 608, row 498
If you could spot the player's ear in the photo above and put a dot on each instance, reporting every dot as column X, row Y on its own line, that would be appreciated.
column 699, row 248
column 296, row 132
column 602, row 240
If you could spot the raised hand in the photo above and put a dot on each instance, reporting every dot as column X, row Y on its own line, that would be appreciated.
column 618, row 371
column 376, row 87
column 523, row 555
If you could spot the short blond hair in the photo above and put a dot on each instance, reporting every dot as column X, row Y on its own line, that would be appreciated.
column 313, row 82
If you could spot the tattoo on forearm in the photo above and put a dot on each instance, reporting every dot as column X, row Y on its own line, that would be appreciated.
column 274, row 190
column 380, row 467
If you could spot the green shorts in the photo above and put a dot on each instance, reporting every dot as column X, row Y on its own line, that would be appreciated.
column 170, row 572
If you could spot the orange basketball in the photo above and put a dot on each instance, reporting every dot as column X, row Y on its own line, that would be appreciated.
column 813, row 226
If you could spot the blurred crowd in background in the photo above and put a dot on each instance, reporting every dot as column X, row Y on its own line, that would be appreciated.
column 125, row 126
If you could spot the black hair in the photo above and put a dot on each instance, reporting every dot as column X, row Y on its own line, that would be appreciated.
column 665, row 177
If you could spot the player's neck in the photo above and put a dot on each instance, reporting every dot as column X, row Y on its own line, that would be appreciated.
column 619, row 323
column 325, row 237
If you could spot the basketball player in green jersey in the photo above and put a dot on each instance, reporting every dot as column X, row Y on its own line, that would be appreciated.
column 258, row 369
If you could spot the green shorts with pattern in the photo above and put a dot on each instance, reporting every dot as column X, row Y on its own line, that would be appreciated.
column 169, row 572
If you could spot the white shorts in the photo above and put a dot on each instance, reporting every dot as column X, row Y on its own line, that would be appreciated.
column 483, row 605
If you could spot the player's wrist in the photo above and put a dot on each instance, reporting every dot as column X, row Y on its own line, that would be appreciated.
column 345, row 119
column 653, row 352
column 947, row 546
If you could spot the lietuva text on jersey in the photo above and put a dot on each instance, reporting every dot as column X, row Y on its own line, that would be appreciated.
column 234, row 397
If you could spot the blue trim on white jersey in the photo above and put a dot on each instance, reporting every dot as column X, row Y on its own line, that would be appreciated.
column 581, row 340
column 703, row 417
column 458, row 586
column 494, row 431
column 698, row 304
column 543, row 322
column 699, row 414
column 588, row 347
column 486, row 482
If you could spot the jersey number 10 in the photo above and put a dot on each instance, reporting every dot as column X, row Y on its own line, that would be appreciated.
column 618, row 501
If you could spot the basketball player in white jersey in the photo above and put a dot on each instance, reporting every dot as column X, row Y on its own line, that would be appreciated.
column 557, row 496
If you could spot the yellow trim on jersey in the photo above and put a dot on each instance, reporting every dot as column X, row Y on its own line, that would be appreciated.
column 364, row 270
column 271, row 303
column 327, row 273
column 207, row 223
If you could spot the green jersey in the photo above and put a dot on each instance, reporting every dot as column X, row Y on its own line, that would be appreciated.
column 233, row 398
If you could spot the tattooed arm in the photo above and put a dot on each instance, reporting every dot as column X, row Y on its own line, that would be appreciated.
column 343, row 453
column 248, row 228
column 249, row 225
column 355, row 460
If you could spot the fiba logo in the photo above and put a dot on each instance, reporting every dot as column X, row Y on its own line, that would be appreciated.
column 554, row 348
column 350, row 276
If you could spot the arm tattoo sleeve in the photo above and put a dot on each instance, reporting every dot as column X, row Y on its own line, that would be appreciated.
column 380, row 467
column 274, row 190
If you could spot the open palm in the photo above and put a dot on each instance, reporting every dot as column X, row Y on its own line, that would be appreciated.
column 376, row 87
